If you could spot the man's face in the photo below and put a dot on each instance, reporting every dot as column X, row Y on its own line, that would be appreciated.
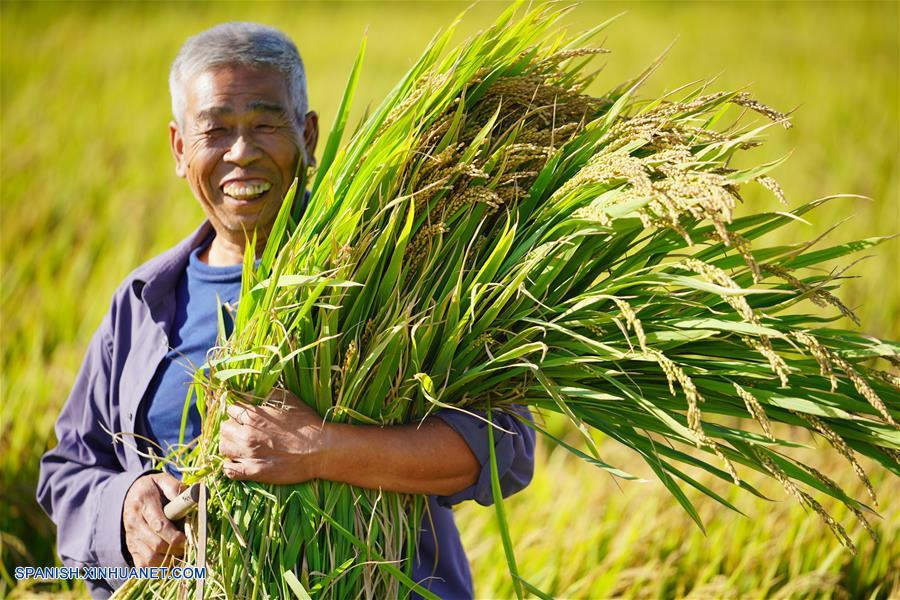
column 239, row 146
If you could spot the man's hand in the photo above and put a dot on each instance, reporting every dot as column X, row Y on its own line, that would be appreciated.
column 280, row 442
column 149, row 535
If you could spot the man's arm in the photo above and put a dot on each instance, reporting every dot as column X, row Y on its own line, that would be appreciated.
column 447, row 456
column 514, row 442
column 82, row 484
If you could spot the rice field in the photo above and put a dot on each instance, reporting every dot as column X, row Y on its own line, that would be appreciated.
column 88, row 193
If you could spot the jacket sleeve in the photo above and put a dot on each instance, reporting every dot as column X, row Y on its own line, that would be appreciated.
column 82, row 485
column 514, row 451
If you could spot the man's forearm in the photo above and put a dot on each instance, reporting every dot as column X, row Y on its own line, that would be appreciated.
column 285, row 442
column 428, row 459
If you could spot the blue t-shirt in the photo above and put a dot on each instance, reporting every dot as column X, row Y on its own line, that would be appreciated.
column 193, row 334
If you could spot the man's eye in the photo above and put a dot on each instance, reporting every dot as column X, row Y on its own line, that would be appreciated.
column 266, row 128
column 215, row 131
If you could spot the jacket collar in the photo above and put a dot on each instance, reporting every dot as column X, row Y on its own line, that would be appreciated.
column 154, row 282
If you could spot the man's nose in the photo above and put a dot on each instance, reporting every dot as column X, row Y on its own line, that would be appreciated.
column 242, row 151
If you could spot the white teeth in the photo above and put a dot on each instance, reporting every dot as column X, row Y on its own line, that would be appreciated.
column 242, row 191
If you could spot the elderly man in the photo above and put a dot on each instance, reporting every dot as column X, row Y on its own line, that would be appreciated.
column 241, row 131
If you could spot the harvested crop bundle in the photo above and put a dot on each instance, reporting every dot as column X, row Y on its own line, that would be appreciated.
column 490, row 236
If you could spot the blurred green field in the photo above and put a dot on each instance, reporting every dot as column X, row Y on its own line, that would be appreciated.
column 89, row 192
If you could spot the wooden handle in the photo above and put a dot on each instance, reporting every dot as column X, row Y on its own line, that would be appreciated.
column 187, row 501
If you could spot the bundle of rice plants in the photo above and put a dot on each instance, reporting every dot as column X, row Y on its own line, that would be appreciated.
column 491, row 235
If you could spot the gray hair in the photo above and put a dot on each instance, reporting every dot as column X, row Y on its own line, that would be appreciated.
column 238, row 43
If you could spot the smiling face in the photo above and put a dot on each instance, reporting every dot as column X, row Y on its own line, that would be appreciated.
column 239, row 146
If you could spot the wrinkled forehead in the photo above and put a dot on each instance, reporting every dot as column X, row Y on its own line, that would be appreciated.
column 230, row 90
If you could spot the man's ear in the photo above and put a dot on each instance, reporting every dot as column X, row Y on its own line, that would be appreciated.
column 311, row 136
column 176, row 142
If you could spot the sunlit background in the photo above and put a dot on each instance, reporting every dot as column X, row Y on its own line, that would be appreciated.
column 89, row 193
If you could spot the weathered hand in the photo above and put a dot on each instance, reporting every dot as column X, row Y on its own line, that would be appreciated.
column 149, row 535
column 281, row 442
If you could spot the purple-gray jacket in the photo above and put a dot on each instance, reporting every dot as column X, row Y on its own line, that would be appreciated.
column 84, row 479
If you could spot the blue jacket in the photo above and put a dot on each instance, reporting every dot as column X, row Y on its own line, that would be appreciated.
column 84, row 479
